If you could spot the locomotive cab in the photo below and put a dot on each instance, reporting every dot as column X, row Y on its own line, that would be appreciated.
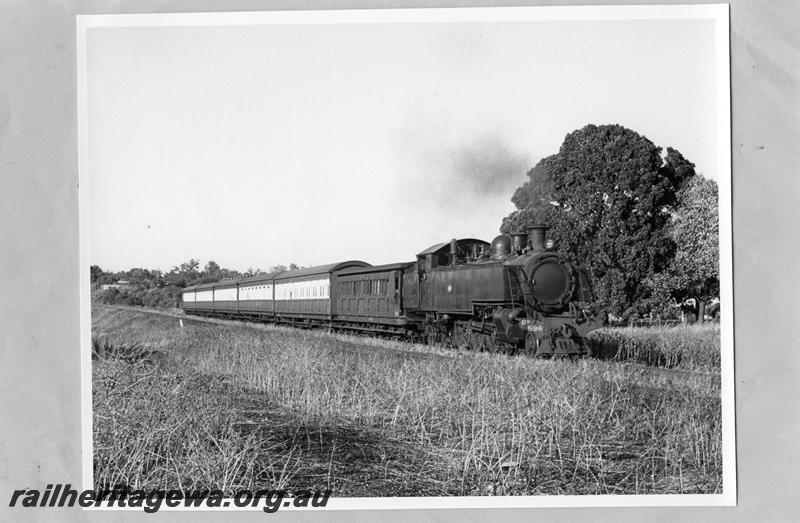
column 433, row 292
column 451, row 253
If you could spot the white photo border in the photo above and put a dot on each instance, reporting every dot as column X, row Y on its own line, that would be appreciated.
column 719, row 13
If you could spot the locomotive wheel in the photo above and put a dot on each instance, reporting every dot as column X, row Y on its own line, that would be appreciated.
column 532, row 345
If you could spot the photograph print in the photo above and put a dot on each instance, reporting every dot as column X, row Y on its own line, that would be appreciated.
column 409, row 258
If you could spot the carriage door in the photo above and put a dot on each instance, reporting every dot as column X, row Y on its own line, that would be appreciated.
column 409, row 289
column 424, row 266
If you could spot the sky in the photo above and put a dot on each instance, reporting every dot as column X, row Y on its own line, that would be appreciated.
column 258, row 145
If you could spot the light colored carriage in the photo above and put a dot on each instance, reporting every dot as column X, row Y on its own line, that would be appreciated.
column 298, row 296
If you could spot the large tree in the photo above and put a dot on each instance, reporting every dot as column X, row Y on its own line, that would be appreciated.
column 694, row 271
column 607, row 196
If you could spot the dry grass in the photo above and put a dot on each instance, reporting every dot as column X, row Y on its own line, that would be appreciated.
column 233, row 406
column 691, row 347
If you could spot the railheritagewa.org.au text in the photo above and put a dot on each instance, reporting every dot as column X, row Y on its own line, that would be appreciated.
column 63, row 495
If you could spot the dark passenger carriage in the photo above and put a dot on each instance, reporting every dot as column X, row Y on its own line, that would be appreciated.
column 371, row 295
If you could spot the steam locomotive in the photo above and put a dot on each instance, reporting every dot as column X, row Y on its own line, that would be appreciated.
column 512, row 295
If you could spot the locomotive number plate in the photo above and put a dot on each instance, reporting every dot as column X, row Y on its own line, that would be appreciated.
column 531, row 327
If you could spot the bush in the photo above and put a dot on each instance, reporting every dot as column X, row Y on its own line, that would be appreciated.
column 158, row 297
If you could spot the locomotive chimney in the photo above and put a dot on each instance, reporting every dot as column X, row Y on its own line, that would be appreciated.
column 453, row 251
column 518, row 242
column 536, row 236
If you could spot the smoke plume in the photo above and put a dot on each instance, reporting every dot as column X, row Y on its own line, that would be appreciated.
column 451, row 173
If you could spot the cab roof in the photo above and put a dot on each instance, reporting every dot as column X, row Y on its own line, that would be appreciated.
column 461, row 243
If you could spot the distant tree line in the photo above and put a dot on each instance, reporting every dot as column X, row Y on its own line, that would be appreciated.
column 155, row 288
column 640, row 218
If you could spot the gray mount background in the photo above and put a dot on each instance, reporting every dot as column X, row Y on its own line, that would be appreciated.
column 40, row 424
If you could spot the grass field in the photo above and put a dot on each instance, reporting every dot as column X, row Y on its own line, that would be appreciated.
column 231, row 406
column 691, row 347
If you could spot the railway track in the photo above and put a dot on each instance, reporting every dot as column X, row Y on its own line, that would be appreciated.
column 401, row 346
column 394, row 345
